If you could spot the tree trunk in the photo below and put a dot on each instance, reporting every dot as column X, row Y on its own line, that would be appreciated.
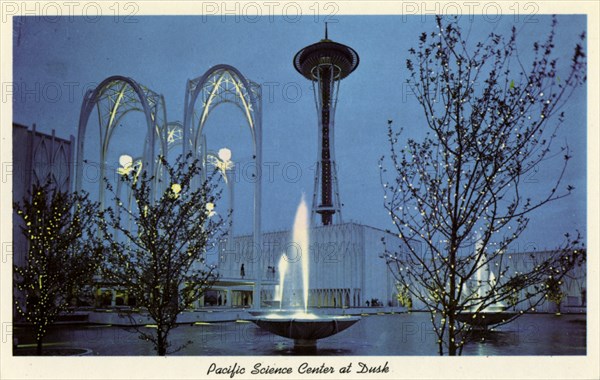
column 161, row 343
column 38, row 349
column 451, row 342
column 452, row 332
column 452, row 302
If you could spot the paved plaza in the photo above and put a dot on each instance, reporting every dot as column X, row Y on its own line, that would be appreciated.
column 390, row 334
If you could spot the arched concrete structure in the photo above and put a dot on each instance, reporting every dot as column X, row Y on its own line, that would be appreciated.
column 114, row 98
column 226, row 84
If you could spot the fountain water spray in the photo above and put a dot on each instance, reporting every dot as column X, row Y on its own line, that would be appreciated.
column 293, row 265
column 283, row 265
column 300, row 237
column 485, row 281
column 304, row 327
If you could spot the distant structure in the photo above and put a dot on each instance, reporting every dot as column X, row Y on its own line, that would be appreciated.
column 325, row 64
column 37, row 158
column 345, row 268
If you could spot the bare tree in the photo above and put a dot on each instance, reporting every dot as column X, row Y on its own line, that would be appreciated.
column 554, row 292
column 158, row 247
column 62, row 257
column 491, row 119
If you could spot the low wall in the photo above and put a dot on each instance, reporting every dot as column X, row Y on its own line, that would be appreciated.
column 123, row 319
column 114, row 317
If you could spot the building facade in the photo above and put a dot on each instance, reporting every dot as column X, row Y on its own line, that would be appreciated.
column 345, row 268
column 573, row 285
column 37, row 158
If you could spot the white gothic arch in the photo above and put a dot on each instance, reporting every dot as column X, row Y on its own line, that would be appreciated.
column 226, row 84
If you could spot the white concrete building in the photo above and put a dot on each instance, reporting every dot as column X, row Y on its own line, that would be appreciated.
column 344, row 265
column 346, row 270
column 574, row 284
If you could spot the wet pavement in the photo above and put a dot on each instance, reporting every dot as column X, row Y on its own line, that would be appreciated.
column 390, row 334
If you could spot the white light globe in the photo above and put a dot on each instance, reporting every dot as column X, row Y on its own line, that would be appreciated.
column 125, row 160
column 225, row 154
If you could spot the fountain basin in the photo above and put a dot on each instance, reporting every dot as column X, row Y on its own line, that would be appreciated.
column 298, row 324
column 483, row 319
column 304, row 328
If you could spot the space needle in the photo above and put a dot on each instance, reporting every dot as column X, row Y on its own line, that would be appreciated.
column 325, row 64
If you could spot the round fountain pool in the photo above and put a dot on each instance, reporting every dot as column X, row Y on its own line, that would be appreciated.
column 484, row 319
column 304, row 328
column 297, row 323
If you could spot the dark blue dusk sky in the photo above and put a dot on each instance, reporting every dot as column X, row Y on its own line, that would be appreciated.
column 162, row 53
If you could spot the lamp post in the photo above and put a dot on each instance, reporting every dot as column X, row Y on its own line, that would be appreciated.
column 222, row 161
column 224, row 155
column 125, row 162
column 128, row 165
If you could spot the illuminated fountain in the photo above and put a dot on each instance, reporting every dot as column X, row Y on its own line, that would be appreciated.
column 283, row 264
column 475, row 314
column 296, row 322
